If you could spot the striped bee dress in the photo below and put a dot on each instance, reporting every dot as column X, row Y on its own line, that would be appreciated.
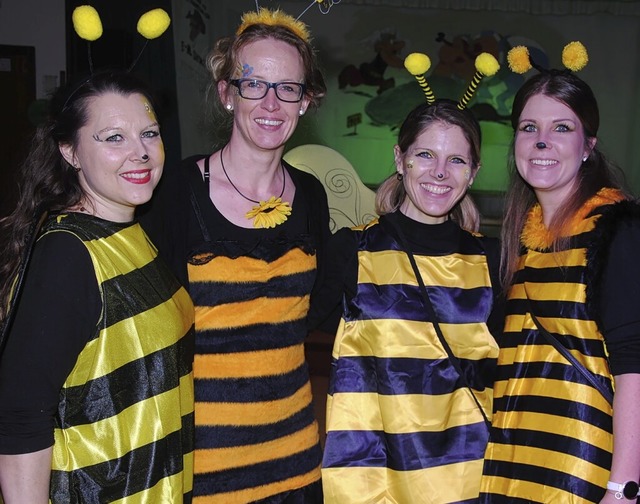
column 551, row 439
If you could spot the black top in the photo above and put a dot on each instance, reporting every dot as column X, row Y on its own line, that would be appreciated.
column 173, row 225
column 57, row 314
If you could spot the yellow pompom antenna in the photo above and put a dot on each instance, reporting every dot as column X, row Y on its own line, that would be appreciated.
column 274, row 18
column 153, row 23
column 86, row 23
column 418, row 64
column 574, row 56
column 518, row 59
column 486, row 66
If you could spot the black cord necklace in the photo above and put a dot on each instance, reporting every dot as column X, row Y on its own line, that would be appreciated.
column 269, row 213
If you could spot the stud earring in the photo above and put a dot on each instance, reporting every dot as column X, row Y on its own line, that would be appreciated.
column 76, row 168
column 229, row 107
column 584, row 159
column 301, row 112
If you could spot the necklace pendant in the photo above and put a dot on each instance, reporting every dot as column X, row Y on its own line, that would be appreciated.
column 270, row 213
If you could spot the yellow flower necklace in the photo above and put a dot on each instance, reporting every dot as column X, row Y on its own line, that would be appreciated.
column 266, row 214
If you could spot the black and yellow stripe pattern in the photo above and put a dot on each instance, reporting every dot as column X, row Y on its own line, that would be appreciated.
column 551, row 438
column 256, row 435
column 124, row 429
column 401, row 425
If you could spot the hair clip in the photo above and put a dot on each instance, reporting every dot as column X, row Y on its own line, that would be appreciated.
column 87, row 24
column 418, row 64
column 574, row 58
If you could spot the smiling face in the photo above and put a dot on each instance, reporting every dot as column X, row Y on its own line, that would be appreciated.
column 550, row 147
column 120, row 155
column 266, row 123
column 437, row 171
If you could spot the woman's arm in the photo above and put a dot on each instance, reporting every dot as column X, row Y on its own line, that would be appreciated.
column 626, row 436
column 24, row 478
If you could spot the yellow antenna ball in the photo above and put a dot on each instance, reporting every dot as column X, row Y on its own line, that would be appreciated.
column 417, row 63
column 86, row 23
column 574, row 56
column 518, row 59
column 153, row 23
column 487, row 64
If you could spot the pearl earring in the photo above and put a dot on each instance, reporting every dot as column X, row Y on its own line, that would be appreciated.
column 301, row 112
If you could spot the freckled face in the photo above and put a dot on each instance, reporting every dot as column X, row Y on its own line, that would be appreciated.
column 269, row 122
column 552, row 170
column 120, row 155
column 436, row 171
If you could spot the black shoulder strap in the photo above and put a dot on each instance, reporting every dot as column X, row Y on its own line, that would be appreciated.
column 588, row 375
column 455, row 362
column 22, row 269
column 196, row 206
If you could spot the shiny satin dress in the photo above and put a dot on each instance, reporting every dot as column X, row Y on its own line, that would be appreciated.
column 124, row 425
column 401, row 426
column 551, row 439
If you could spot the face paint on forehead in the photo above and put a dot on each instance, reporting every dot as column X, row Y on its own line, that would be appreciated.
column 150, row 113
column 247, row 70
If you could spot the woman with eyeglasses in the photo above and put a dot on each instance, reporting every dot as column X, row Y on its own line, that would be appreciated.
column 245, row 232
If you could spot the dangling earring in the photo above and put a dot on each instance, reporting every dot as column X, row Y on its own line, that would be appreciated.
column 399, row 176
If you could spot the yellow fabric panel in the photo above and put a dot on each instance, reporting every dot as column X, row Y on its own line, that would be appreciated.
column 247, row 269
column 570, row 257
column 249, row 364
column 186, row 390
column 106, row 253
column 556, row 291
column 393, row 267
column 529, row 490
column 554, row 424
column 543, row 387
column 217, row 413
column 416, row 340
column 168, row 490
column 139, row 434
column 116, row 347
column 406, row 414
column 262, row 492
column 220, row 459
column 587, row 329
column 379, row 485
column 257, row 311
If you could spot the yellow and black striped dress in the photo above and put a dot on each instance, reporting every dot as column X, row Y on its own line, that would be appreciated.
column 124, row 426
column 551, row 439
column 401, row 426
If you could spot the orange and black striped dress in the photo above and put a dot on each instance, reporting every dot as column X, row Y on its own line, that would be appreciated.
column 256, row 434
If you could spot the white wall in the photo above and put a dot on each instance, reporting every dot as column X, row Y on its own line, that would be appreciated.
column 39, row 23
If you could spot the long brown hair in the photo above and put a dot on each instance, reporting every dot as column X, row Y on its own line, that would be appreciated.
column 391, row 192
column 594, row 174
column 46, row 181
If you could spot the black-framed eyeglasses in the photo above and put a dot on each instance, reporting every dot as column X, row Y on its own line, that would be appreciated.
column 254, row 89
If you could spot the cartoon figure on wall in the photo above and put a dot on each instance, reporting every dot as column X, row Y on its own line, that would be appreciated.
column 387, row 48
